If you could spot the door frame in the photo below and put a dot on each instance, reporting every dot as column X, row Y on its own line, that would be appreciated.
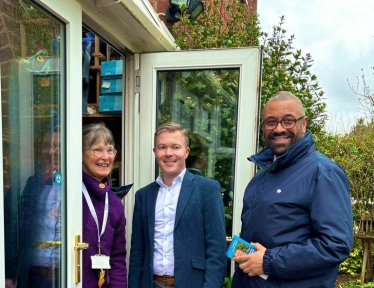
column 2, row 232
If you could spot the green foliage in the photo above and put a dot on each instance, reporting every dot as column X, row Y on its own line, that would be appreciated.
column 352, row 265
column 39, row 28
column 285, row 69
column 354, row 152
column 228, row 282
column 228, row 217
column 325, row 142
column 355, row 284
column 209, row 92
column 223, row 24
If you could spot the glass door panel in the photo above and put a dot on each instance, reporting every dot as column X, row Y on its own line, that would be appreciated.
column 32, row 101
column 205, row 102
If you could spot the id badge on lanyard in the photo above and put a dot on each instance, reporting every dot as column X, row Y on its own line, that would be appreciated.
column 98, row 261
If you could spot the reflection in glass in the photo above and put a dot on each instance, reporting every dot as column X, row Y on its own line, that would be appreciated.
column 205, row 103
column 31, row 97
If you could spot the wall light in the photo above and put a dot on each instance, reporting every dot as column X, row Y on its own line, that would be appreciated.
column 193, row 7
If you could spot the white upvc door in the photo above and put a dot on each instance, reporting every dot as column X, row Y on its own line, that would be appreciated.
column 70, row 13
column 215, row 94
column 43, row 107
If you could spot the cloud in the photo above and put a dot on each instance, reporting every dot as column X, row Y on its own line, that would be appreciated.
column 339, row 35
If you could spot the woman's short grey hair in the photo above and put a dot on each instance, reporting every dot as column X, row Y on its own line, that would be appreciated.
column 94, row 133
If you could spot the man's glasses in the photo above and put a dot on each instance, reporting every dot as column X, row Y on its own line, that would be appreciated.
column 286, row 123
column 101, row 151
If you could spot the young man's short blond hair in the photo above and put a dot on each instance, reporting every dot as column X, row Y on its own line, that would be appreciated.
column 171, row 127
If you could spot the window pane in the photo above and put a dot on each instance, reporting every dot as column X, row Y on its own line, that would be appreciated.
column 32, row 93
column 205, row 103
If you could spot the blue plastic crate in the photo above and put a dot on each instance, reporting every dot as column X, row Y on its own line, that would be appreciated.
column 110, row 104
column 110, row 68
column 111, row 85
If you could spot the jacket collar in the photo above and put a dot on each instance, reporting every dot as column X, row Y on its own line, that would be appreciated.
column 184, row 196
column 265, row 158
column 151, row 208
column 94, row 187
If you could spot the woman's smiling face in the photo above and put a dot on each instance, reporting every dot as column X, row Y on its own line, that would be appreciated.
column 97, row 166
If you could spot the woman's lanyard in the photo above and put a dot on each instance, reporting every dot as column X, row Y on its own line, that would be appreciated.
column 93, row 213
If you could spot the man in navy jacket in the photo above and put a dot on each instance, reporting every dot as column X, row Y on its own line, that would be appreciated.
column 178, row 237
column 296, row 210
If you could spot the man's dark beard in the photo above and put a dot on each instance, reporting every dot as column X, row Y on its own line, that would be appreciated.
column 274, row 147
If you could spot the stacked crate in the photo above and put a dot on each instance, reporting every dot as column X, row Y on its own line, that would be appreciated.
column 110, row 101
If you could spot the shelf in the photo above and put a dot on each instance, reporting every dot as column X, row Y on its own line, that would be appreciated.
column 95, row 67
column 100, row 55
column 112, row 121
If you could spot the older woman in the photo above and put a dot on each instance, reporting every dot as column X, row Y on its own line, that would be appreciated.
column 104, row 262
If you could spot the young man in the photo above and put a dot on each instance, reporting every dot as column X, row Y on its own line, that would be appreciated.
column 296, row 210
column 178, row 236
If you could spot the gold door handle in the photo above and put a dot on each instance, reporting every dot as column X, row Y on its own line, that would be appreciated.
column 46, row 244
column 77, row 248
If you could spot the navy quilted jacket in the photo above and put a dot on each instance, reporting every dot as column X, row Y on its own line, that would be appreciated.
column 299, row 208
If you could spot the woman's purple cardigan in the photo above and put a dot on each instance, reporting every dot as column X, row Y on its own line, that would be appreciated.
column 113, row 241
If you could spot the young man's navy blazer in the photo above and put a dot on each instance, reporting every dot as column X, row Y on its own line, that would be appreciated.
column 199, row 235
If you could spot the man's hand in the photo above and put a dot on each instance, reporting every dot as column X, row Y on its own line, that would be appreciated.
column 9, row 283
column 252, row 263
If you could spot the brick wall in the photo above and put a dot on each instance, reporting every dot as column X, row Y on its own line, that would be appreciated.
column 9, row 48
column 160, row 7
column 9, row 31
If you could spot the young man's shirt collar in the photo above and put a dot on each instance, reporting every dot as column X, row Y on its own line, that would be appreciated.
column 176, row 180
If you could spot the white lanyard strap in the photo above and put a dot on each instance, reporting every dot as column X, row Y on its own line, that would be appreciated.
column 93, row 212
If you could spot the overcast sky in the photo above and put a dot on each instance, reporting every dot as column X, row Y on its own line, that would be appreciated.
column 339, row 35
